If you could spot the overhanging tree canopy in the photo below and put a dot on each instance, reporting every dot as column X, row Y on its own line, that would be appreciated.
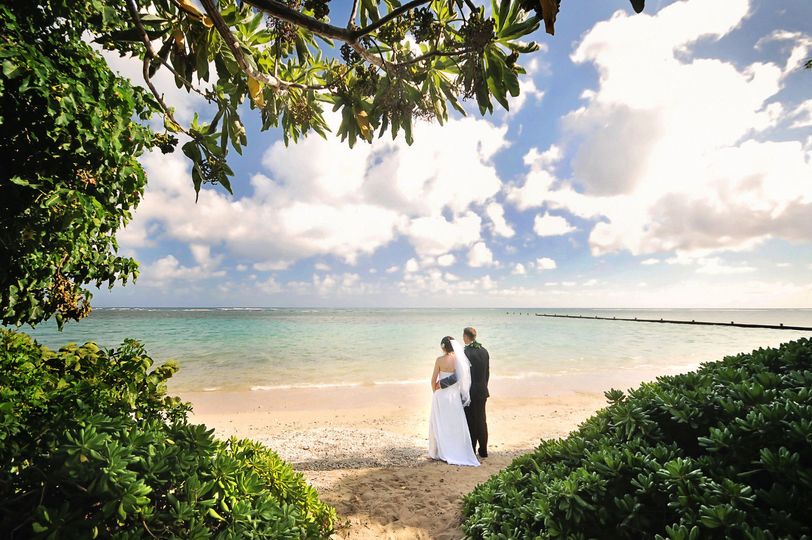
column 387, row 65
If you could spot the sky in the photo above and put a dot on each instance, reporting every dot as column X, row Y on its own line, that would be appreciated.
column 651, row 161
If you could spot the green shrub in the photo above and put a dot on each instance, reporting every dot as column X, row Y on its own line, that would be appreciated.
column 91, row 446
column 722, row 452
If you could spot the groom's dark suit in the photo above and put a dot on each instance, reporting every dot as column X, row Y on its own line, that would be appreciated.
column 475, row 412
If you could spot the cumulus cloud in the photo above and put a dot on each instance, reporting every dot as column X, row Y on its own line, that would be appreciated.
column 436, row 235
column 678, row 157
column 168, row 270
column 496, row 213
column 411, row 266
column 320, row 197
column 548, row 225
column 802, row 116
column 545, row 263
column 446, row 260
column 519, row 270
column 480, row 255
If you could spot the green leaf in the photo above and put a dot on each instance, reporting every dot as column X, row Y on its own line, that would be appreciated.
column 10, row 69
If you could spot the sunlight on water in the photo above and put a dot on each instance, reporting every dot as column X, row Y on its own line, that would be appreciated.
column 234, row 348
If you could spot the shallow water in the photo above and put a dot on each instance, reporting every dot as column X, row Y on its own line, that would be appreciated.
column 234, row 348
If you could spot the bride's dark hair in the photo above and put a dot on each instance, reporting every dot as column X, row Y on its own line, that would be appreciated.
column 445, row 343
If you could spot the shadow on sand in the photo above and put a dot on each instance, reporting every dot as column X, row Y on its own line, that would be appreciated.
column 420, row 501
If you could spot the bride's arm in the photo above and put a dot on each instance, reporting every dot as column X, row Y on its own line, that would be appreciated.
column 434, row 385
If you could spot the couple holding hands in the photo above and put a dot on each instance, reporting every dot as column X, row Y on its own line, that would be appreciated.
column 460, row 389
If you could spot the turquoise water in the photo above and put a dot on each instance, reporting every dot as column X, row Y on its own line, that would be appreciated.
column 232, row 348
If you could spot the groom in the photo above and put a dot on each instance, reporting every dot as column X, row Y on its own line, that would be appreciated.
column 480, row 373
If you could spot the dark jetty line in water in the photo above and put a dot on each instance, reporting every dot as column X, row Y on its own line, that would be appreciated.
column 780, row 326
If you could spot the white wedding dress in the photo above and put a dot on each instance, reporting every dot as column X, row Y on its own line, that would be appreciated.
column 449, row 439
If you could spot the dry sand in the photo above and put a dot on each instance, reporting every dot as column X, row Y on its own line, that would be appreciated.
column 364, row 448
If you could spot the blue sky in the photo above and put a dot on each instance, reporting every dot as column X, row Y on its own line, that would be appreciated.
column 655, row 160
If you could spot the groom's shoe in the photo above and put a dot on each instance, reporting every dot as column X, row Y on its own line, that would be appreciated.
column 483, row 453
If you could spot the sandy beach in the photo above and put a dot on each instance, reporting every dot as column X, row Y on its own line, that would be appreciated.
column 364, row 447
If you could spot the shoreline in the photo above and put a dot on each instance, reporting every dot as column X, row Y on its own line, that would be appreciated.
column 365, row 448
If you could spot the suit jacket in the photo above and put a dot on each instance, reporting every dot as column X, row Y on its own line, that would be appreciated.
column 480, row 370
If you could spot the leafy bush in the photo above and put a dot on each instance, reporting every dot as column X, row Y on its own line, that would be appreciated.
column 90, row 445
column 69, row 173
column 722, row 452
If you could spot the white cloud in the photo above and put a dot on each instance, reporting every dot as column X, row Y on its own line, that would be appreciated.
column 497, row 216
column 519, row 270
column 270, row 286
column 650, row 261
column 590, row 283
column 266, row 266
column 323, row 198
column 543, row 160
column 545, row 263
column 715, row 266
column 411, row 266
column 435, row 235
column 480, row 255
column 446, row 260
column 538, row 181
column 527, row 91
column 802, row 116
column 548, row 225
column 168, row 270
column 643, row 167
column 392, row 269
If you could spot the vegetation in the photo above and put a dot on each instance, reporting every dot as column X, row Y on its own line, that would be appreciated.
column 69, row 178
column 723, row 452
column 91, row 446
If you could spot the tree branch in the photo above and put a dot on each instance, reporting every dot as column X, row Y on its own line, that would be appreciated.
column 351, row 21
column 149, row 54
column 287, row 14
column 432, row 54
column 155, row 56
column 394, row 14
column 222, row 28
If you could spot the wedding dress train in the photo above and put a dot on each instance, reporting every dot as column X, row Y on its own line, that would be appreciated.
column 449, row 439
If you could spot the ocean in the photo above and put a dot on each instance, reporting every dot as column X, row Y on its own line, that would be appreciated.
column 265, row 349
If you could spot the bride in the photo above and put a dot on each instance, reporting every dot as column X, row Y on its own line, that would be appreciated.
column 449, row 439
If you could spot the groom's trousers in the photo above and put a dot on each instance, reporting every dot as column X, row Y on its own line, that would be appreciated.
column 477, row 424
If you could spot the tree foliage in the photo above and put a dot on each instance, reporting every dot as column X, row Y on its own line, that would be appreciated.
column 92, row 447
column 723, row 452
column 69, row 178
column 387, row 65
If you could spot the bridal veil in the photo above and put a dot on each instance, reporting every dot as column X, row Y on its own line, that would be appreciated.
column 463, row 368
